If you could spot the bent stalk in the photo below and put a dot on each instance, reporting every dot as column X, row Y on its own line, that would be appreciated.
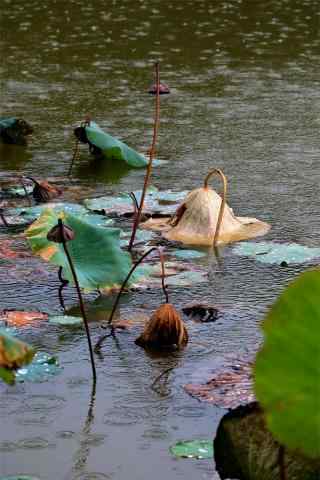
column 217, row 171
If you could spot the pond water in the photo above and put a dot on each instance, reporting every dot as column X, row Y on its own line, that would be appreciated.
column 245, row 98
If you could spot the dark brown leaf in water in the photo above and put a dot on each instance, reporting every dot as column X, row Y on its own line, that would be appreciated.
column 201, row 311
column 7, row 252
column 228, row 388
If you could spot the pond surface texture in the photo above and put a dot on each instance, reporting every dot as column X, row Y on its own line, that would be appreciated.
column 244, row 77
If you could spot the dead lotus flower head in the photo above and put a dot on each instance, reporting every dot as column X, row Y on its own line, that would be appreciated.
column 60, row 233
column 204, row 218
column 164, row 330
column 43, row 191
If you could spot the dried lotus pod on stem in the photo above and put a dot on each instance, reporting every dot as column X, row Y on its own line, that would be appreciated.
column 165, row 329
column 43, row 191
column 61, row 233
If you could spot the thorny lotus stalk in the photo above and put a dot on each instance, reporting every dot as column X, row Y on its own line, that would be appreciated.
column 84, row 316
column 116, row 302
column 151, row 155
column 217, row 171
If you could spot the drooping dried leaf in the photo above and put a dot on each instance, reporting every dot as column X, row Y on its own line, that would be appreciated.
column 231, row 386
column 165, row 330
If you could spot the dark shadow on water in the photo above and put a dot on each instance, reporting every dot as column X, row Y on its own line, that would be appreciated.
column 13, row 157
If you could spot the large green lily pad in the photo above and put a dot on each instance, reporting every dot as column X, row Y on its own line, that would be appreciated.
column 13, row 354
column 270, row 252
column 98, row 259
column 113, row 148
column 287, row 369
column 193, row 449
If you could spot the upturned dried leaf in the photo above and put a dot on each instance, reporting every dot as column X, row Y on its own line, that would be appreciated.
column 165, row 329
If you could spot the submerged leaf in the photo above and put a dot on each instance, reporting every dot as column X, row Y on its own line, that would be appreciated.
column 287, row 368
column 199, row 449
column 270, row 252
column 40, row 369
column 99, row 262
column 18, row 318
column 66, row 320
column 113, row 148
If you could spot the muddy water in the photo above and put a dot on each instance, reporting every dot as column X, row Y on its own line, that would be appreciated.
column 245, row 98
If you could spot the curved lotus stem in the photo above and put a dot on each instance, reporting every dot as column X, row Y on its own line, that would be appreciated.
column 116, row 302
column 217, row 171
column 151, row 155
column 25, row 190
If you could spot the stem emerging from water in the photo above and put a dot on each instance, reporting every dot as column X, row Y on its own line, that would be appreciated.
column 85, row 321
column 217, row 171
column 116, row 303
column 151, row 155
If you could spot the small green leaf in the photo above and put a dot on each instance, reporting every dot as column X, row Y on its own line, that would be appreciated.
column 287, row 370
column 193, row 449
column 66, row 320
column 113, row 148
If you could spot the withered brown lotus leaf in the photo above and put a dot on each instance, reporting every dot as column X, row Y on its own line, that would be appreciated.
column 44, row 192
column 164, row 330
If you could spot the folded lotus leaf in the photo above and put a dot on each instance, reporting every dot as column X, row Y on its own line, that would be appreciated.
column 13, row 354
column 196, row 221
column 98, row 259
column 113, row 148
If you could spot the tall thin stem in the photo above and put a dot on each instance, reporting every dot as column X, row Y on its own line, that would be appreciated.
column 217, row 171
column 116, row 302
column 75, row 156
column 281, row 463
column 163, row 274
column 151, row 155
column 25, row 191
column 3, row 218
column 85, row 321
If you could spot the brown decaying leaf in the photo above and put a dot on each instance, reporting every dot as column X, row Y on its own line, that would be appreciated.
column 230, row 387
column 16, row 318
column 164, row 330
column 44, row 191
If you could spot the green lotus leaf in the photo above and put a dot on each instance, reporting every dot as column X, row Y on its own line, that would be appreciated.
column 193, row 449
column 189, row 254
column 113, row 148
column 287, row 369
column 7, row 122
column 98, row 259
column 13, row 354
column 270, row 252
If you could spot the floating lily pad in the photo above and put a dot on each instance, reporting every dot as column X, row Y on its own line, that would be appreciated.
column 188, row 254
column 270, row 252
column 19, row 477
column 113, row 148
column 66, row 320
column 193, row 449
column 40, row 369
column 35, row 211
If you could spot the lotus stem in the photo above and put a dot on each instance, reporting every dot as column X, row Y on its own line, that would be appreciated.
column 25, row 190
column 217, row 171
column 281, row 463
column 3, row 219
column 151, row 155
column 75, row 156
column 163, row 274
column 85, row 321
column 64, row 282
column 135, row 202
column 116, row 302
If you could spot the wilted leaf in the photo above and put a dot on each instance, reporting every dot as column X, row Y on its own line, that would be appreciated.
column 270, row 252
column 113, row 148
column 230, row 387
column 99, row 262
column 287, row 370
column 193, row 449
column 18, row 318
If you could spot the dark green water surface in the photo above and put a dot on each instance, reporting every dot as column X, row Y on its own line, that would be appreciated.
column 245, row 85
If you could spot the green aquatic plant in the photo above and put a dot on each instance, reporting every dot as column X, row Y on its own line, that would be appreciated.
column 287, row 369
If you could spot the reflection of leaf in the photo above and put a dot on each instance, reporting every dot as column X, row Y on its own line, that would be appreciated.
column 113, row 148
column 193, row 449
column 287, row 369
column 13, row 354
column 270, row 252
column 95, row 251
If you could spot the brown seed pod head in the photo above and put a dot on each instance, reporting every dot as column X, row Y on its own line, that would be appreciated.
column 164, row 330
column 163, row 89
column 59, row 234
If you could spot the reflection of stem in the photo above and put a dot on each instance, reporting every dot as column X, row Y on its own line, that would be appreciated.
column 158, row 378
column 151, row 155
column 116, row 302
column 217, row 171
column 85, row 321
column 75, row 156
column 281, row 463
column 64, row 282
column 163, row 275
column 84, row 450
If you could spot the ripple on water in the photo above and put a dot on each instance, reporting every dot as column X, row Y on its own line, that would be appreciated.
column 121, row 417
column 43, row 403
column 34, row 442
column 93, row 476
